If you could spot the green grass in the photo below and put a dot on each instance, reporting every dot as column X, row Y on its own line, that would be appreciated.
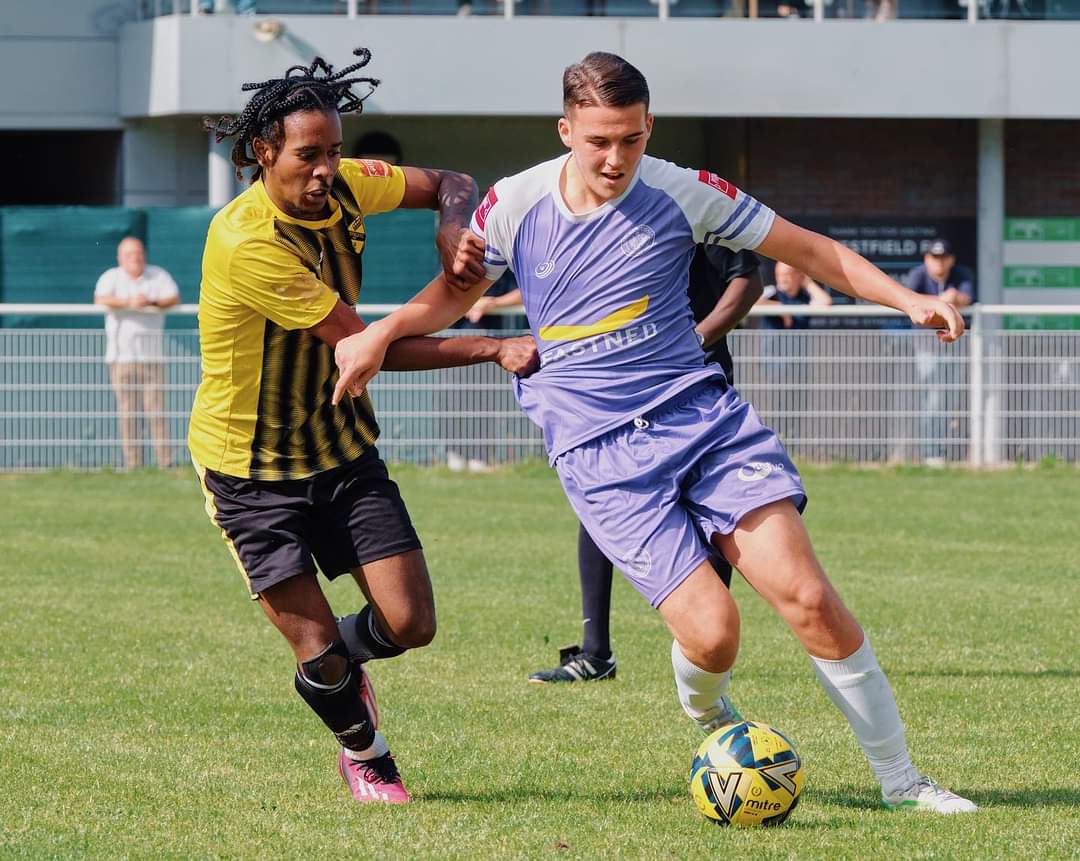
column 146, row 706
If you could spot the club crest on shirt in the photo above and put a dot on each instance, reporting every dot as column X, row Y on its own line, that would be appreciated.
column 637, row 240
column 545, row 269
column 357, row 233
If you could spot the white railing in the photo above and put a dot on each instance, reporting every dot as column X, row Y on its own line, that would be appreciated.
column 972, row 10
column 834, row 394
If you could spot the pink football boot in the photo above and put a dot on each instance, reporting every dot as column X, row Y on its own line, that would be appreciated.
column 373, row 780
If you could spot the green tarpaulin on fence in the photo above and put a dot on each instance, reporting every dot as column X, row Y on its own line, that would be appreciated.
column 56, row 254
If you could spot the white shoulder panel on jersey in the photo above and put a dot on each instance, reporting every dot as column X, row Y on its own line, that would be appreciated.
column 718, row 212
column 503, row 208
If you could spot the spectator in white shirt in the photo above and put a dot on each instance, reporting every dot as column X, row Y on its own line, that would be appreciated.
column 136, row 294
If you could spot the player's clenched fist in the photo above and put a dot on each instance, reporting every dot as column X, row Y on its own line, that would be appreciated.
column 358, row 359
column 462, row 254
column 936, row 314
column 518, row 355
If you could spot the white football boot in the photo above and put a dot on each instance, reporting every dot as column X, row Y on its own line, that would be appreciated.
column 924, row 794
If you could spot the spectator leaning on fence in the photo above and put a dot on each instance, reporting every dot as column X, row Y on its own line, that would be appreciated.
column 135, row 295
column 940, row 276
column 939, row 426
column 792, row 287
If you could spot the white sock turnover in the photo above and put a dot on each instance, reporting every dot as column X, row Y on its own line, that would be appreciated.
column 858, row 687
column 699, row 690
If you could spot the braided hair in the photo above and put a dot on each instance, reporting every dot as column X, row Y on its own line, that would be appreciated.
column 301, row 89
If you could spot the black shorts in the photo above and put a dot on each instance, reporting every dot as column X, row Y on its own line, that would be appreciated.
column 339, row 519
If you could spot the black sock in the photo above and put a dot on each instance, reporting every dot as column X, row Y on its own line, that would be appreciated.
column 329, row 685
column 595, row 572
column 365, row 637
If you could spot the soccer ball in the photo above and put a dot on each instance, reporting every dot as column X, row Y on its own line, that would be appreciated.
column 746, row 774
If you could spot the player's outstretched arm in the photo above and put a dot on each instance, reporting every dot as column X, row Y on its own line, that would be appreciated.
column 360, row 356
column 516, row 355
column 826, row 260
column 486, row 303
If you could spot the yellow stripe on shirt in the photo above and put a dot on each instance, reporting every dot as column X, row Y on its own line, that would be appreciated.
column 616, row 320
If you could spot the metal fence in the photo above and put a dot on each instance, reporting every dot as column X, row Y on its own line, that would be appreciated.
column 857, row 395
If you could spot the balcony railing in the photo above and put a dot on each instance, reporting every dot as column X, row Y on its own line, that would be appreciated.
column 817, row 10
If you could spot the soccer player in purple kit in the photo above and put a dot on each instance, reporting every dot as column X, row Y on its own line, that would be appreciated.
column 723, row 287
column 658, row 456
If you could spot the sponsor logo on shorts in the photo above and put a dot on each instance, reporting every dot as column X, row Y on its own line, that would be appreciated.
column 637, row 240
column 485, row 207
column 756, row 470
column 717, row 182
column 638, row 563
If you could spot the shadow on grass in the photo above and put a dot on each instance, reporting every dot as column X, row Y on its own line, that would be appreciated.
column 532, row 793
column 989, row 674
column 852, row 797
column 678, row 796
column 643, row 796
column 859, row 798
column 1053, row 796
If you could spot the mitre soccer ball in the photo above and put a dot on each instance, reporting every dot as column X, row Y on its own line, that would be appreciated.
column 746, row 774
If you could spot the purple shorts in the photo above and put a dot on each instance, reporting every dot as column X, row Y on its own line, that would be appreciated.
column 652, row 492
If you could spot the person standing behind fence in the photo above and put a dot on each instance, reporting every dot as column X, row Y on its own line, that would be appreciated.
column 938, row 276
column 783, row 355
column 135, row 294
column 792, row 287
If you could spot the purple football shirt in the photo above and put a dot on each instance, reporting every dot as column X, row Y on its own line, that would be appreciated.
column 605, row 291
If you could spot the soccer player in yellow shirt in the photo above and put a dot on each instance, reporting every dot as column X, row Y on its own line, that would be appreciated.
column 291, row 479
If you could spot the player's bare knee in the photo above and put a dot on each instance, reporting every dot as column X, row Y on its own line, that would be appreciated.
column 413, row 629
column 712, row 649
column 722, row 654
column 814, row 604
column 717, row 660
column 421, row 633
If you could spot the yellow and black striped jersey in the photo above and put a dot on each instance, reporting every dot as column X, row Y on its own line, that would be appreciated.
column 263, row 407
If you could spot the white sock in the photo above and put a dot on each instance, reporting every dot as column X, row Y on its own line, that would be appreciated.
column 378, row 748
column 699, row 690
column 858, row 687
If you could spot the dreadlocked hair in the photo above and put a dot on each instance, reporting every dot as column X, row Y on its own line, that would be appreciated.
column 301, row 89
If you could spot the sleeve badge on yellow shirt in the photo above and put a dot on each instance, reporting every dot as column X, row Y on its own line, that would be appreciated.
column 373, row 167
column 357, row 233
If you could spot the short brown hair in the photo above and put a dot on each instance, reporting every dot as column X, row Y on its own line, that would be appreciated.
column 606, row 80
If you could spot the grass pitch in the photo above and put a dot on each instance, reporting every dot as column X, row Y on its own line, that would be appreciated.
column 147, row 710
